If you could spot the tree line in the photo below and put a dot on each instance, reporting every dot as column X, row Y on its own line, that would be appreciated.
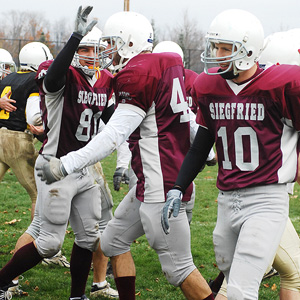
column 20, row 28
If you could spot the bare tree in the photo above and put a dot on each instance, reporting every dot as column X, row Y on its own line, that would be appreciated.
column 60, row 33
column 191, row 39
column 20, row 28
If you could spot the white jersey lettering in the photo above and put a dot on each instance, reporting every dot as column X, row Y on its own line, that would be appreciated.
column 237, row 111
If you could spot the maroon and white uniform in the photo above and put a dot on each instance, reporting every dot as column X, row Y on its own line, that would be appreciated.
column 82, row 102
column 259, row 120
column 156, row 92
column 152, row 111
column 156, row 142
column 255, row 125
column 71, row 118
column 189, row 77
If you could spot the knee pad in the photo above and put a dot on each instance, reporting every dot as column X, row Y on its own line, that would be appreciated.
column 48, row 247
column 234, row 293
column 58, row 203
column 111, row 249
column 177, row 277
column 89, row 242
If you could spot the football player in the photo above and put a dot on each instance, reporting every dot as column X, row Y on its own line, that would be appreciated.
column 153, row 114
column 252, row 116
column 7, row 64
column 19, row 108
column 283, row 48
column 74, row 97
column 21, row 112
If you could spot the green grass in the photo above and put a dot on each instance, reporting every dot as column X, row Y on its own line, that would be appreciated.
column 51, row 282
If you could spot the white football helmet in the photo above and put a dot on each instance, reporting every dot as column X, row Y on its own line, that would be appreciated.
column 91, row 39
column 168, row 46
column 281, row 48
column 7, row 64
column 239, row 28
column 128, row 33
column 32, row 55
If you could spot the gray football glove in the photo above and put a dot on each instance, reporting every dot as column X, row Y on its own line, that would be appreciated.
column 51, row 171
column 172, row 206
column 81, row 26
column 121, row 175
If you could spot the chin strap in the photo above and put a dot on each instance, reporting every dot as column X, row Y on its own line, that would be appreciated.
column 228, row 75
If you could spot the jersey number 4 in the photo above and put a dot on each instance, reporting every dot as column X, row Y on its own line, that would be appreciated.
column 178, row 102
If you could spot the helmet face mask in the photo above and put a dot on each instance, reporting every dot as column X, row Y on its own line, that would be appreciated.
column 107, row 55
column 240, row 29
column 210, row 58
column 86, row 63
column 7, row 65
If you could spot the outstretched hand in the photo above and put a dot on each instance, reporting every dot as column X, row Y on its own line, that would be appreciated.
column 52, row 170
column 171, row 207
column 81, row 26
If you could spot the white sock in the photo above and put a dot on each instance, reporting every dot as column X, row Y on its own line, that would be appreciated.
column 100, row 284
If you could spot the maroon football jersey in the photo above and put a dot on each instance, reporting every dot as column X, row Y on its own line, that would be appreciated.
column 71, row 116
column 154, row 84
column 189, row 78
column 255, row 125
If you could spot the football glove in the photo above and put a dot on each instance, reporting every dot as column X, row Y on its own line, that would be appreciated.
column 121, row 175
column 81, row 26
column 51, row 171
column 172, row 206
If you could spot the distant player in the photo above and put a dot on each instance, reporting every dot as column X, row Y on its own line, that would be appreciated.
column 7, row 64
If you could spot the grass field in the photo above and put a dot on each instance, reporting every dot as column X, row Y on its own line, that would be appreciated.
column 53, row 282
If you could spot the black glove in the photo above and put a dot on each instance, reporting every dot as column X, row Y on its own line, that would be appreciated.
column 121, row 176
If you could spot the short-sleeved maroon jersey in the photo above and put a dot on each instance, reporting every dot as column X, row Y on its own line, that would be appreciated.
column 154, row 84
column 71, row 116
column 189, row 77
column 255, row 125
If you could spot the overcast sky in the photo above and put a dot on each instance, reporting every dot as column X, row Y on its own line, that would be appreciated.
column 275, row 15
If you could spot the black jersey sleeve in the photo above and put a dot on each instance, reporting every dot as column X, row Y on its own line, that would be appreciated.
column 195, row 159
column 107, row 113
column 56, row 75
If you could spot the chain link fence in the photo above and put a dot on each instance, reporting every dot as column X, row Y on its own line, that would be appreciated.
column 13, row 46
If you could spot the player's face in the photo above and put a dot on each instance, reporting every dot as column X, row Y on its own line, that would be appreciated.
column 7, row 71
column 88, row 52
column 116, row 57
column 221, row 50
